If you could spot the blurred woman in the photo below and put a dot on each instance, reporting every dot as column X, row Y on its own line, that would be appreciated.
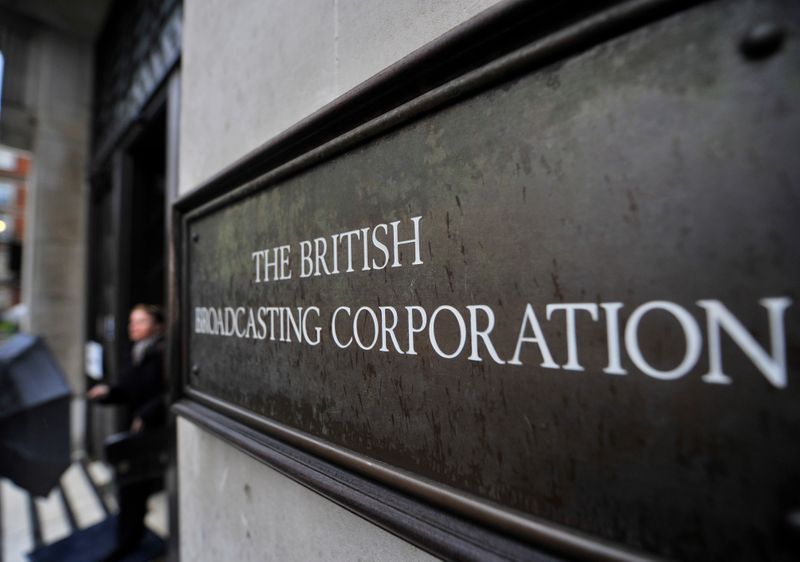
column 141, row 388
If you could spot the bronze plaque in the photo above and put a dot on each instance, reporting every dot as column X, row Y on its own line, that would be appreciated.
column 574, row 295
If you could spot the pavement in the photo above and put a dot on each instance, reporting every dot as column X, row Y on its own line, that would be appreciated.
column 16, row 526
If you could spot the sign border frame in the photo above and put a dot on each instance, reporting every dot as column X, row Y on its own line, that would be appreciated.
column 435, row 515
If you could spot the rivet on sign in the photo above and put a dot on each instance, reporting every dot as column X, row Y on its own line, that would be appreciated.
column 195, row 370
column 195, row 237
column 762, row 41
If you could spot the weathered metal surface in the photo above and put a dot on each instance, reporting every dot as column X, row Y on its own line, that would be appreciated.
column 656, row 171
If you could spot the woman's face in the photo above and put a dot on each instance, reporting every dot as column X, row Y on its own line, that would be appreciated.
column 141, row 325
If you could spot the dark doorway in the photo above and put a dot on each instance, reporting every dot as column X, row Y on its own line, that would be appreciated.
column 147, row 240
column 127, row 255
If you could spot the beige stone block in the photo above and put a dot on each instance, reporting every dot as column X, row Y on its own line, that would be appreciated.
column 55, row 316
column 58, row 271
column 68, row 352
column 59, row 162
column 375, row 35
column 65, row 81
column 233, row 507
column 60, row 323
column 60, row 216
column 247, row 74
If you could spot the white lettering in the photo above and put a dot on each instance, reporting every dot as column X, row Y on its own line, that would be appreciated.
column 381, row 246
column 376, row 330
column 475, row 333
column 572, row 343
column 415, row 329
column 691, row 333
column 538, row 338
column 349, row 236
column 257, row 258
column 239, row 313
column 612, row 337
column 772, row 367
column 462, row 328
column 386, row 329
column 293, row 325
column 322, row 249
column 306, row 263
column 333, row 328
column 261, row 311
column 415, row 241
column 317, row 330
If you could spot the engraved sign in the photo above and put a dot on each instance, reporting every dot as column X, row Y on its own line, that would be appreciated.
column 574, row 295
